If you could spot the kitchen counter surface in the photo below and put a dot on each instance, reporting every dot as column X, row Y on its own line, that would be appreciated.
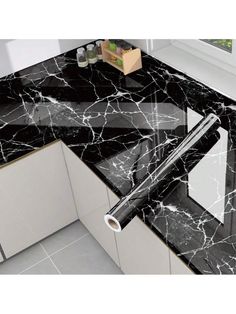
column 122, row 127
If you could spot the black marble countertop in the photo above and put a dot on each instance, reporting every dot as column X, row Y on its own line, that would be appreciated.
column 122, row 127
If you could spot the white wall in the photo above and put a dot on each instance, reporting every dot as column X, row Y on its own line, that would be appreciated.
column 141, row 43
column 18, row 54
column 148, row 45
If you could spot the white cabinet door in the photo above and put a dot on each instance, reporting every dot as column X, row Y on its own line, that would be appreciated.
column 141, row 251
column 177, row 267
column 35, row 199
column 92, row 201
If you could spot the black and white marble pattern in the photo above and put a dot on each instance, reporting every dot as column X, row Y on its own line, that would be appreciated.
column 122, row 127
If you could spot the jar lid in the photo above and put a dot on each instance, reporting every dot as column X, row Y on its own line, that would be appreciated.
column 80, row 50
column 90, row 46
column 99, row 42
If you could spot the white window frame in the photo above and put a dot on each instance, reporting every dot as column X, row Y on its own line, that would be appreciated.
column 209, row 53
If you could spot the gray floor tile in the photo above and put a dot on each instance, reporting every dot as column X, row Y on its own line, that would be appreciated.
column 64, row 237
column 85, row 257
column 45, row 267
column 23, row 260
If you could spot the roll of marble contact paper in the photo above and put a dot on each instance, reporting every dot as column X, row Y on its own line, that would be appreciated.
column 167, row 175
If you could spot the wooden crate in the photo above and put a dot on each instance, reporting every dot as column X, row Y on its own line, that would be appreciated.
column 132, row 60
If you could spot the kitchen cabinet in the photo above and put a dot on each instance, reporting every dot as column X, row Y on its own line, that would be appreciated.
column 141, row 251
column 137, row 250
column 177, row 266
column 36, row 199
column 92, row 201
column 112, row 197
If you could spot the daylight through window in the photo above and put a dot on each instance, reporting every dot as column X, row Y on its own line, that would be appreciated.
column 225, row 44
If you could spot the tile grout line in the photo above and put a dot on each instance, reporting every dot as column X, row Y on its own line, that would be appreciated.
column 50, row 255
column 71, row 243
column 43, row 248
column 35, row 264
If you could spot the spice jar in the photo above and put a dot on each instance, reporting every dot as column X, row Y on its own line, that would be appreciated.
column 112, row 45
column 81, row 57
column 91, row 53
column 99, row 49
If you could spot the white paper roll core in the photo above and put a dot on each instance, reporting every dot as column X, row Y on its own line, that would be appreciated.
column 112, row 223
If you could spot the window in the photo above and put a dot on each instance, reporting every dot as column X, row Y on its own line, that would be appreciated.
column 225, row 44
column 219, row 52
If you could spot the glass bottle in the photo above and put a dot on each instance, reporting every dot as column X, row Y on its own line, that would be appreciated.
column 81, row 57
column 99, row 49
column 91, row 53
